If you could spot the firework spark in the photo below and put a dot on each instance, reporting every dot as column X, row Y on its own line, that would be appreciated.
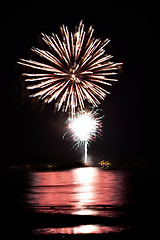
column 72, row 71
column 85, row 127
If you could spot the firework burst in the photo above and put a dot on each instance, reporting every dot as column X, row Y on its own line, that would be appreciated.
column 85, row 127
column 72, row 72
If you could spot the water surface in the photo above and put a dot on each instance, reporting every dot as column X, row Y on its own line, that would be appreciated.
column 86, row 191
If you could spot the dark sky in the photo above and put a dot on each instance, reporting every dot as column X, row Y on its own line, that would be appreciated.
column 130, row 125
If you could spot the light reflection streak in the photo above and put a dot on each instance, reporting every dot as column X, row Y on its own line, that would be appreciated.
column 81, row 191
column 85, row 194
column 81, row 229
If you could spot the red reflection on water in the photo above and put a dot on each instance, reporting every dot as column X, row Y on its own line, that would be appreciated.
column 85, row 192
column 82, row 191
column 82, row 229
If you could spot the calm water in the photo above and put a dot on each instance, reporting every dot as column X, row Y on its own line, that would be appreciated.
column 82, row 191
column 65, row 204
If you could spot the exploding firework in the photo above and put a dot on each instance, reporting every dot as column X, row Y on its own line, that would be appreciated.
column 72, row 72
column 85, row 127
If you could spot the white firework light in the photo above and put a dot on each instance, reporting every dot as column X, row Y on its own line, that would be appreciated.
column 85, row 127
column 72, row 72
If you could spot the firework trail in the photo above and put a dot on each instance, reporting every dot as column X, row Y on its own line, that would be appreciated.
column 85, row 127
column 72, row 71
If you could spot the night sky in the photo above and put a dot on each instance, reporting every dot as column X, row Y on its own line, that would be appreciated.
column 31, row 133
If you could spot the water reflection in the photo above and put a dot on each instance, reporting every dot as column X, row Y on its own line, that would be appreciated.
column 94, row 229
column 85, row 190
column 81, row 191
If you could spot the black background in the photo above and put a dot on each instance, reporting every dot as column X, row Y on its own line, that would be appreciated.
column 130, row 125
column 131, row 122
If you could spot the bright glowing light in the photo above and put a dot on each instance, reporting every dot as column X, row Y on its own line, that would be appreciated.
column 85, row 127
column 72, row 70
